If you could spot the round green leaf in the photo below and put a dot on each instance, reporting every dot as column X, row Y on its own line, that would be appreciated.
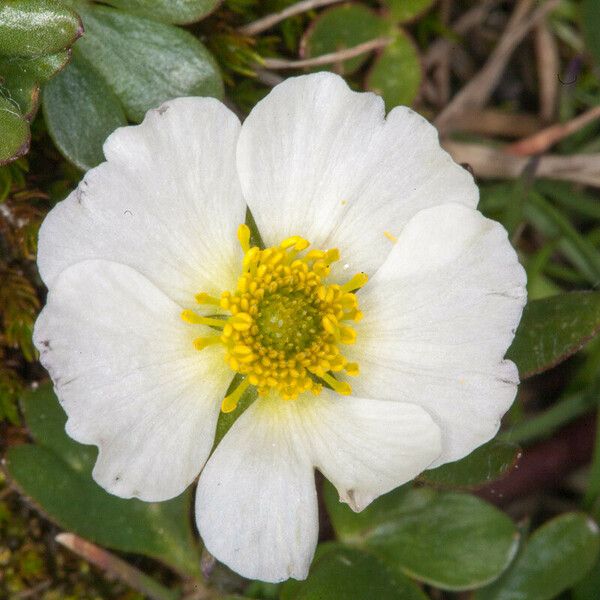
column 557, row 556
column 343, row 27
column 407, row 10
column 340, row 572
column 55, row 474
column 81, row 111
column 396, row 74
column 35, row 27
column 587, row 588
column 487, row 463
column 552, row 329
column 452, row 541
column 146, row 62
column 169, row 11
column 14, row 131
column 22, row 77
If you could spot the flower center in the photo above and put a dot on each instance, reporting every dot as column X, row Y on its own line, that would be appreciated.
column 283, row 325
column 288, row 321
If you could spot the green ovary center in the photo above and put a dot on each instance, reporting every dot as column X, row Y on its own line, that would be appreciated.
column 288, row 322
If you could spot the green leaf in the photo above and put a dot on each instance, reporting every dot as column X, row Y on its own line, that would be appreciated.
column 556, row 557
column 22, row 76
column 587, row 588
column 590, row 21
column 56, row 474
column 487, row 463
column 35, row 27
column 407, row 10
column 452, row 541
column 15, row 136
column 81, row 111
column 396, row 74
column 169, row 11
column 146, row 62
column 343, row 27
column 340, row 572
column 552, row 329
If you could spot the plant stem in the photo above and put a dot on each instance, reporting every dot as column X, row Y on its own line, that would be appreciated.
column 326, row 59
column 267, row 22
column 118, row 568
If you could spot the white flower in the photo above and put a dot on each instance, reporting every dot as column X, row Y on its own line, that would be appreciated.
column 413, row 361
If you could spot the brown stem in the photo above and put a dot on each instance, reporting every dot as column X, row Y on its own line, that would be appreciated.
column 545, row 464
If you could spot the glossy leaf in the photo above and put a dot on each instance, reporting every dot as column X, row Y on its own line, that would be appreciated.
column 146, row 62
column 36, row 27
column 487, row 463
column 14, row 131
column 81, row 111
column 406, row 10
column 557, row 556
column 552, row 329
column 590, row 21
column 169, row 11
column 22, row 77
column 340, row 572
column 56, row 474
column 452, row 541
column 343, row 27
column 396, row 74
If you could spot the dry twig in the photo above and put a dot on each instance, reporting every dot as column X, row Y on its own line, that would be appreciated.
column 116, row 567
column 548, row 68
column 473, row 17
column 327, row 59
column 267, row 22
column 477, row 92
column 545, row 139
column 493, row 122
column 490, row 163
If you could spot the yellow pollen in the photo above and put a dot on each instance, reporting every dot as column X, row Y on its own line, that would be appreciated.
column 284, row 325
column 390, row 236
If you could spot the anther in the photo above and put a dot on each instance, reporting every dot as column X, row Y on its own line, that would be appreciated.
column 355, row 283
column 230, row 402
column 189, row 316
column 202, row 342
column 203, row 298
column 341, row 387
column 243, row 234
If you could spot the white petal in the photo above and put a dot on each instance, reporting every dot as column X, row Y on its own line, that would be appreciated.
column 256, row 504
column 166, row 203
column 439, row 316
column 368, row 447
column 318, row 160
column 129, row 379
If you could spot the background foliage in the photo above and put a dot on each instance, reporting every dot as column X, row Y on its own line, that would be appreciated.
column 514, row 87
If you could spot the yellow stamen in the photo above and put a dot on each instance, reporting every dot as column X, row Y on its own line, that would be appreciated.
column 243, row 234
column 189, row 316
column 355, row 283
column 352, row 369
column 390, row 236
column 341, row 387
column 202, row 342
column 284, row 322
column 230, row 402
column 203, row 298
